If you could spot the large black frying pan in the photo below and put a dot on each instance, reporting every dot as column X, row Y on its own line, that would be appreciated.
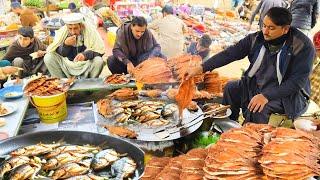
column 77, row 138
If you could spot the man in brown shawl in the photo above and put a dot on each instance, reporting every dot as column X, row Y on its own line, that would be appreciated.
column 19, row 52
column 27, row 16
column 134, row 44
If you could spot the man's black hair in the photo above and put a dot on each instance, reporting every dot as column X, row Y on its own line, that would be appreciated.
column 26, row 31
column 167, row 9
column 280, row 16
column 139, row 21
column 205, row 41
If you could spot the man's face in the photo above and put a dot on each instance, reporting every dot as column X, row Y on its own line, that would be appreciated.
column 25, row 41
column 200, row 48
column 272, row 31
column 138, row 31
column 74, row 29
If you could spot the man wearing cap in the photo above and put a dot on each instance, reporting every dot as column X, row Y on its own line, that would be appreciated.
column 170, row 31
column 27, row 16
column 134, row 44
column 76, row 50
column 19, row 52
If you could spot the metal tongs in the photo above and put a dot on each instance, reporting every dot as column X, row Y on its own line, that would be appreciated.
column 173, row 129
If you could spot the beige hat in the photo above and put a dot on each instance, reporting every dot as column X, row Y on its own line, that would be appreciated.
column 73, row 18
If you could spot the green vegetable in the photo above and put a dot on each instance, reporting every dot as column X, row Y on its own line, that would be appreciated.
column 65, row 4
column 34, row 3
column 205, row 139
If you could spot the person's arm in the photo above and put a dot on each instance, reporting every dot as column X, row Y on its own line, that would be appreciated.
column 117, row 50
column 232, row 53
column 64, row 50
column 10, row 54
column 315, row 13
column 255, row 12
column 301, row 68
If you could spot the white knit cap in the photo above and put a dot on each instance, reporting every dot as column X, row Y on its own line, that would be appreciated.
column 73, row 18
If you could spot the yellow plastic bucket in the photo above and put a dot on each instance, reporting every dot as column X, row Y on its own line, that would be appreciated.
column 51, row 109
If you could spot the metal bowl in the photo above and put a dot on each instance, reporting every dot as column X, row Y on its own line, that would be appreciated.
column 77, row 138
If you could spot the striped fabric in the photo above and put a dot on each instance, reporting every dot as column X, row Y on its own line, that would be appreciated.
column 315, row 85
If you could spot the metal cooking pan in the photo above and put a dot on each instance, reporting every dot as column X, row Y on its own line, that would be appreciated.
column 77, row 138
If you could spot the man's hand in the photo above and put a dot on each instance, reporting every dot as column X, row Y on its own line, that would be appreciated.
column 71, row 41
column 41, row 53
column 130, row 68
column 79, row 57
column 193, row 70
column 8, row 70
column 257, row 103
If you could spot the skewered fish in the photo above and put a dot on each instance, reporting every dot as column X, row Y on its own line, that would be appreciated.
column 185, row 94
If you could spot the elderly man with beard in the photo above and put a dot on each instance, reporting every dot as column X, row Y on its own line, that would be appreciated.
column 76, row 50
column 277, row 80
column 134, row 44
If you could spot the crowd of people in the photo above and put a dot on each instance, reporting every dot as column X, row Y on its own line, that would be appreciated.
column 281, row 55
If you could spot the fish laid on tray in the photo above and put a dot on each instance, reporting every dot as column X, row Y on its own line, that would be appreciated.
column 61, row 161
column 3, row 109
column 121, row 131
column 124, row 94
column 150, row 113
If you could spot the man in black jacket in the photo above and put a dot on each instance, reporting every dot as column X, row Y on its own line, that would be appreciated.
column 304, row 14
column 277, row 80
